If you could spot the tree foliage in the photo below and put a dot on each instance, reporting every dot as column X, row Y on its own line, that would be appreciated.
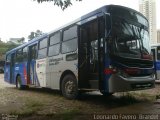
column 4, row 47
column 61, row 3
column 35, row 34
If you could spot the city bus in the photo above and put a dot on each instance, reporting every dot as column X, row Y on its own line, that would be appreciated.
column 106, row 50
column 155, row 49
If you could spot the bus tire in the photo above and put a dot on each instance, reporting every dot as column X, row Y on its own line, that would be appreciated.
column 69, row 87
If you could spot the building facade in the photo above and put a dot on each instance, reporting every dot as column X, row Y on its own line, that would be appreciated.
column 16, row 40
column 148, row 9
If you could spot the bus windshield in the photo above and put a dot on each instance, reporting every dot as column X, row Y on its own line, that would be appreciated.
column 130, row 40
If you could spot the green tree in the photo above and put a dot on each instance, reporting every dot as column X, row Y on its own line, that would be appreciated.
column 35, row 34
column 4, row 47
column 31, row 36
column 61, row 3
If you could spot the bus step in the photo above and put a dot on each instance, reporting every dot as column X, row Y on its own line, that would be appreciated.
column 94, row 84
column 93, row 76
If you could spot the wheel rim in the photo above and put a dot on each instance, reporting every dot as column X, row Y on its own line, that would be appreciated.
column 70, row 87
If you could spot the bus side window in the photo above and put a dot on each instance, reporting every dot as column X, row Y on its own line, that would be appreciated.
column 69, row 43
column 33, row 51
column 25, row 53
column 42, row 51
column 54, row 44
column 19, row 55
column 8, row 59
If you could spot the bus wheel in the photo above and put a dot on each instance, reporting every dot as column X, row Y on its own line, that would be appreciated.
column 18, row 83
column 69, row 87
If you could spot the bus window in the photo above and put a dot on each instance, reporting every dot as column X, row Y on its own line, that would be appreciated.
column 42, row 52
column 54, row 39
column 8, row 59
column 54, row 44
column 70, row 33
column 19, row 55
column 69, row 46
column 33, row 49
column 54, row 50
column 25, row 53
column 94, row 50
column 43, row 43
column 69, row 43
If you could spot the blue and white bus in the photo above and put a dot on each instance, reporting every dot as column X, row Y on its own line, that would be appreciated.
column 156, row 57
column 106, row 50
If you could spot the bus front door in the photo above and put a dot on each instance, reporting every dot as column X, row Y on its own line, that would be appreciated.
column 90, row 57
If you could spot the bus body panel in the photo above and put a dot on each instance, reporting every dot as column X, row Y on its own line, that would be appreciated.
column 21, row 70
column 41, row 71
column 7, row 73
column 56, row 66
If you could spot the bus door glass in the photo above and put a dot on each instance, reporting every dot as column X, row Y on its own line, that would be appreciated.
column 32, row 64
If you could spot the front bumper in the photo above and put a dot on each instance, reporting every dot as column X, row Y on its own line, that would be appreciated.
column 118, row 83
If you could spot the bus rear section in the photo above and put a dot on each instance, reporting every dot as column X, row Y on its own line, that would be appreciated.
column 16, row 67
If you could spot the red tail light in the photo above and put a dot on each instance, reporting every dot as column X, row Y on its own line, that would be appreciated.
column 110, row 71
column 132, row 71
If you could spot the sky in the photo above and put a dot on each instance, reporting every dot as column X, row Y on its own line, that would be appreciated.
column 20, row 17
